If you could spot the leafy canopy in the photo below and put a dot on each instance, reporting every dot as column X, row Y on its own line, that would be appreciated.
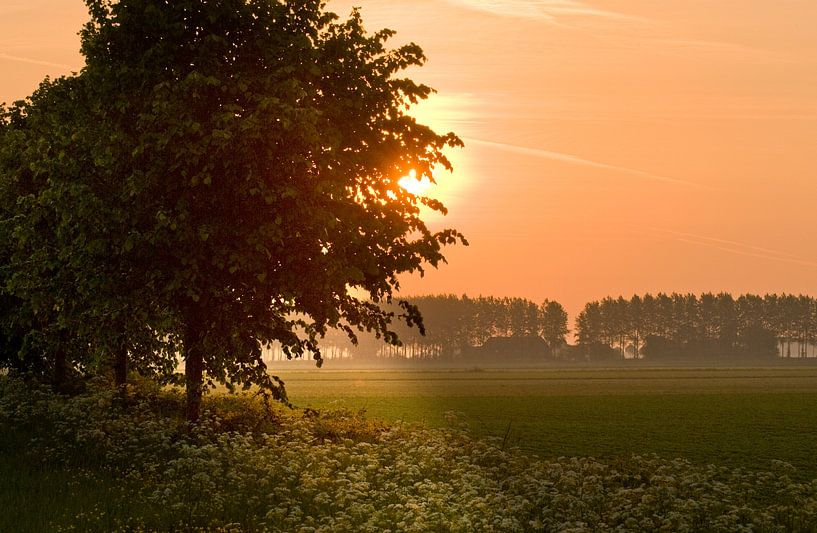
column 226, row 173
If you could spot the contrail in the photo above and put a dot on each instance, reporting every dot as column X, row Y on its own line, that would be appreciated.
column 35, row 61
column 725, row 245
column 734, row 243
column 547, row 10
column 748, row 252
column 576, row 160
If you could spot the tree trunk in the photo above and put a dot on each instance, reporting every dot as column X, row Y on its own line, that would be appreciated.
column 120, row 367
column 193, row 368
column 60, row 369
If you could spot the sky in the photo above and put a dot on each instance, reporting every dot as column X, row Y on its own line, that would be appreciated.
column 612, row 146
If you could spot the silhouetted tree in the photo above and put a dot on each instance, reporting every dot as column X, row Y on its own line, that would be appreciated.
column 252, row 151
column 455, row 326
column 715, row 327
column 553, row 324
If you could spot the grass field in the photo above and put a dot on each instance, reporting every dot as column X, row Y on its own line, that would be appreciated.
column 733, row 417
column 43, row 494
column 85, row 463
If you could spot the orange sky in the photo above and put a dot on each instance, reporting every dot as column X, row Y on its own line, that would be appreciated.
column 612, row 146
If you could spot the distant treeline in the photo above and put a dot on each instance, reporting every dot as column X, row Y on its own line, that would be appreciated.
column 690, row 327
column 663, row 327
column 467, row 329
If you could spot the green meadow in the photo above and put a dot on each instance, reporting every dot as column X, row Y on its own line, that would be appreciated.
column 631, row 449
column 743, row 418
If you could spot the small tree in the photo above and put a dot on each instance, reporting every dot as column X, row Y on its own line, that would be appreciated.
column 67, row 269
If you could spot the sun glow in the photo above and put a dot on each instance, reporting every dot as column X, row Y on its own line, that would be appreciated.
column 414, row 185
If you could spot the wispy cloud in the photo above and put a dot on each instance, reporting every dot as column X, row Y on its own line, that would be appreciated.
column 15, row 8
column 749, row 253
column 546, row 10
column 576, row 160
column 718, row 50
column 735, row 247
column 31, row 61
column 713, row 46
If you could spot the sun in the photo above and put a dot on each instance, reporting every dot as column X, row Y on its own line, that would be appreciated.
column 414, row 185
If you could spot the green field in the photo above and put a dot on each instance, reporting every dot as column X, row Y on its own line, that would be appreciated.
column 86, row 463
column 733, row 417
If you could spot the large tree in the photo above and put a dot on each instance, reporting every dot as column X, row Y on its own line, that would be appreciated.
column 259, row 144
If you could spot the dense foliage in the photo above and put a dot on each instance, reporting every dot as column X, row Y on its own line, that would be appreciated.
column 244, row 470
column 706, row 327
column 220, row 175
